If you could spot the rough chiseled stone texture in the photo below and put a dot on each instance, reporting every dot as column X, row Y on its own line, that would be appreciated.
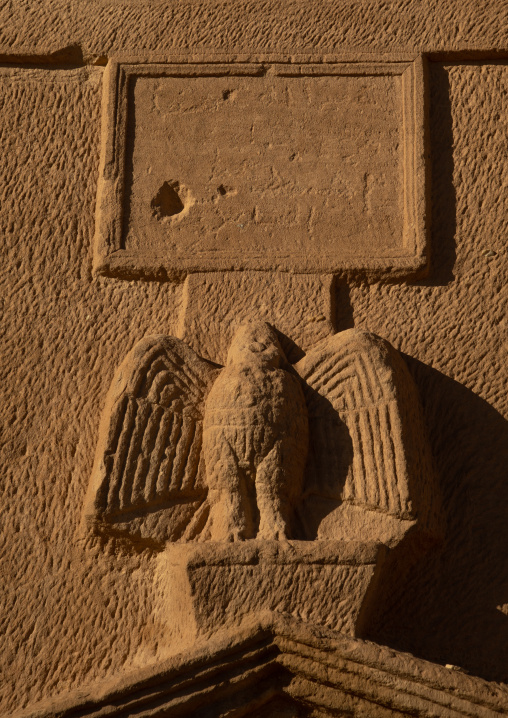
column 62, row 610
column 106, row 26
column 283, row 667
column 70, row 616
column 454, row 607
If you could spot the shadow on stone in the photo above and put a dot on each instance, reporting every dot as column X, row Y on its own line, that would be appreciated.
column 167, row 202
column 451, row 605
column 443, row 194
column 342, row 311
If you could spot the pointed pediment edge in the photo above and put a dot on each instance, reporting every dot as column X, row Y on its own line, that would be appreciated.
column 268, row 646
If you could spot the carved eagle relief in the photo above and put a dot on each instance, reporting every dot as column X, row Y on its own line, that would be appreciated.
column 260, row 448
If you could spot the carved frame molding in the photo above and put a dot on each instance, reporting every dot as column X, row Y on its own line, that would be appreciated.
column 112, row 258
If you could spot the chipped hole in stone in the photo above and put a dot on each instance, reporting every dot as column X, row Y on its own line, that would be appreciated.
column 223, row 190
column 167, row 201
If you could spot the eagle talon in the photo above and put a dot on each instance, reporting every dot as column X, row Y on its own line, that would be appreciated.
column 234, row 535
column 279, row 534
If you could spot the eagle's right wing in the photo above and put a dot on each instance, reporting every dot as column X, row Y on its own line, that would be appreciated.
column 147, row 479
column 368, row 445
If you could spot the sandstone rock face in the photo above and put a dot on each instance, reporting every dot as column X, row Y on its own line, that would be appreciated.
column 254, row 437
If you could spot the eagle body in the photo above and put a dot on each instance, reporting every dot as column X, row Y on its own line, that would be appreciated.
column 255, row 440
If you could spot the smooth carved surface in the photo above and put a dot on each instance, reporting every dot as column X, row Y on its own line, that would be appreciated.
column 332, row 447
column 255, row 162
column 298, row 166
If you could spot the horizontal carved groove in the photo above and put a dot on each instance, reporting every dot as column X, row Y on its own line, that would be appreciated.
column 158, row 504
column 293, row 664
column 184, row 693
column 339, row 671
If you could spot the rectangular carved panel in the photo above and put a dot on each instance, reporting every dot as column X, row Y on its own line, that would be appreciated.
column 300, row 166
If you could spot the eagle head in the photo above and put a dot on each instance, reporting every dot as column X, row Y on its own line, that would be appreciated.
column 256, row 343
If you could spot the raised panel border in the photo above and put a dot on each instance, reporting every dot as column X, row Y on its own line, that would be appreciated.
column 112, row 259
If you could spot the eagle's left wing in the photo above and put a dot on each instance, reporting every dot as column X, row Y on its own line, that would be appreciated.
column 368, row 446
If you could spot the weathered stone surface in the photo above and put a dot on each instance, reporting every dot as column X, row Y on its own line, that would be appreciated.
column 259, row 453
column 77, row 612
column 297, row 164
column 437, row 26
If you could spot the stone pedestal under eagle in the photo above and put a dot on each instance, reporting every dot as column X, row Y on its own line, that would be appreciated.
column 329, row 446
